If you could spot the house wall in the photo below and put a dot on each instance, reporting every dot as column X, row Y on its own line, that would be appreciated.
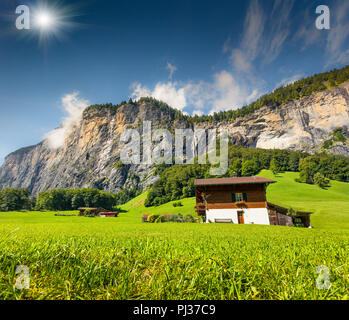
column 251, row 215
column 285, row 220
column 220, row 197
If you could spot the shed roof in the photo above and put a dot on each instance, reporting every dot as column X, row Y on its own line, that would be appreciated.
column 232, row 180
column 285, row 210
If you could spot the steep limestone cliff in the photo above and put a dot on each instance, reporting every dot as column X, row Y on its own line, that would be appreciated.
column 92, row 149
column 298, row 125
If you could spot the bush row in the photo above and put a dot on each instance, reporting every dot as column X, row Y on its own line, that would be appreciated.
column 156, row 218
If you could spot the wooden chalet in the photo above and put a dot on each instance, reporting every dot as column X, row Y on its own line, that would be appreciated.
column 97, row 212
column 242, row 200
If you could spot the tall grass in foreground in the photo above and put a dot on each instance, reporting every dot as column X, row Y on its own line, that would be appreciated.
column 104, row 259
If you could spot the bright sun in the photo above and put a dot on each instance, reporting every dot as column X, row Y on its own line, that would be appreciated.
column 44, row 20
column 51, row 20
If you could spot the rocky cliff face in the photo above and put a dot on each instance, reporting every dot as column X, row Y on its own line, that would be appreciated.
column 90, row 153
column 298, row 125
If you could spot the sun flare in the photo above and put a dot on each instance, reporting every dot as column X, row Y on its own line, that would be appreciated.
column 45, row 20
column 52, row 20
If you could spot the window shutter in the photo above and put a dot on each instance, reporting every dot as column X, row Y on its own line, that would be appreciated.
column 234, row 198
column 245, row 196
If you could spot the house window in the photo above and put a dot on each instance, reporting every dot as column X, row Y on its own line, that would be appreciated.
column 237, row 197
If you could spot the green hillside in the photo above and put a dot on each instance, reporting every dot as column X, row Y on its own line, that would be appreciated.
column 330, row 207
column 135, row 208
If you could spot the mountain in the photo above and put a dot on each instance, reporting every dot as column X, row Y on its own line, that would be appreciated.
column 90, row 154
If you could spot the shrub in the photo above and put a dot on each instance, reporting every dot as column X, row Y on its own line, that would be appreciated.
column 179, row 217
column 249, row 168
column 188, row 218
column 177, row 204
column 152, row 218
column 275, row 166
column 291, row 212
column 158, row 220
column 172, row 218
column 166, row 218
column 119, row 165
column 321, row 181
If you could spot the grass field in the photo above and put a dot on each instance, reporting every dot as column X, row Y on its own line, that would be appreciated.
column 95, row 258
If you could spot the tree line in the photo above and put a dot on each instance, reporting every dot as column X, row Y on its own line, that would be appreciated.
column 14, row 199
column 17, row 199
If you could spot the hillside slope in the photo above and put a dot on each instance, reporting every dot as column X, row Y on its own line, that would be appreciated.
column 330, row 207
column 91, row 150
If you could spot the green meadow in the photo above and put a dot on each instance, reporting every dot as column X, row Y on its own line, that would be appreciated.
column 122, row 258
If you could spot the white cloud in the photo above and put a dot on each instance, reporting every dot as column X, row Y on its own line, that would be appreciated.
column 253, row 29
column 74, row 106
column 231, row 94
column 168, row 92
column 334, row 40
column 289, row 80
column 172, row 70
column 224, row 92
column 241, row 62
column 256, row 42
column 139, row 91
column 307, row 34
column 280, row 29
column 252, row 39
column 197, row 113
column 338, row 35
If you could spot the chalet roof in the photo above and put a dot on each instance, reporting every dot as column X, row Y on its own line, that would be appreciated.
column 232, row 180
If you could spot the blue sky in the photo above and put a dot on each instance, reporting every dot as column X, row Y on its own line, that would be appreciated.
column 198, row 56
